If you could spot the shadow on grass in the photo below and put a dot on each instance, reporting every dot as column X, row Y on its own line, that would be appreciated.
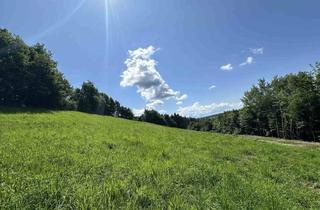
column 17, row 110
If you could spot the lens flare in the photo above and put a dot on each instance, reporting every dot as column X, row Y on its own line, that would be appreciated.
column 58, row 24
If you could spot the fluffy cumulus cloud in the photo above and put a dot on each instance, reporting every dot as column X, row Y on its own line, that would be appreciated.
column 227, row 67
column 212, row 87
column 199, row 110
column 141, row 72
column 257, row 51
column 248, row 61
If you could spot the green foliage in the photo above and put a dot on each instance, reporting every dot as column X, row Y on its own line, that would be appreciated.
column 72, row 160
column 125, row 113
column 153, row 116
column 47, row 87
column 110, row 108
column 89, row 99
column 169, row 121
column 288, row 107
column 182, row 122
column 29, row 76
column 175, row 120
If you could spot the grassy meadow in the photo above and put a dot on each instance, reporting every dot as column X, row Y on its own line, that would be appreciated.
column 72, row 160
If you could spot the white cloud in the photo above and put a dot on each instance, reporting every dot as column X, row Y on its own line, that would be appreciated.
column 138, row 112
column 153, row 104
column 198, row 110
column 247, row 62
column 227, row 67
column 257, row 51
column 142, row 73
column 162, row 111
column 183, row 97
column 179, row 103
column 212, row 87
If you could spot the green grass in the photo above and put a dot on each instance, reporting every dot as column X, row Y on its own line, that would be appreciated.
column 71, row 160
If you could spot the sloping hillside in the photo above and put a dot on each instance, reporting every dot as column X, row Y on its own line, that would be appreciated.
column 73, row 160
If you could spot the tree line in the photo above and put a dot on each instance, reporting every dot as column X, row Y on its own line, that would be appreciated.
column 29, row 77
column 174, row 120
column 287, row 107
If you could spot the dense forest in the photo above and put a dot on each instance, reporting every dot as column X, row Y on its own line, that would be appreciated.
column 287, row 107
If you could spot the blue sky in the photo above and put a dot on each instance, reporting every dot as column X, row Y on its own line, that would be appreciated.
column 179, row 48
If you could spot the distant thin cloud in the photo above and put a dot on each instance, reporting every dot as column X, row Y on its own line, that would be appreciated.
column 227, row 67
column 212, row 87
column 248, row 61
column 201, row 110
column 181, row 98
column 257, row 51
